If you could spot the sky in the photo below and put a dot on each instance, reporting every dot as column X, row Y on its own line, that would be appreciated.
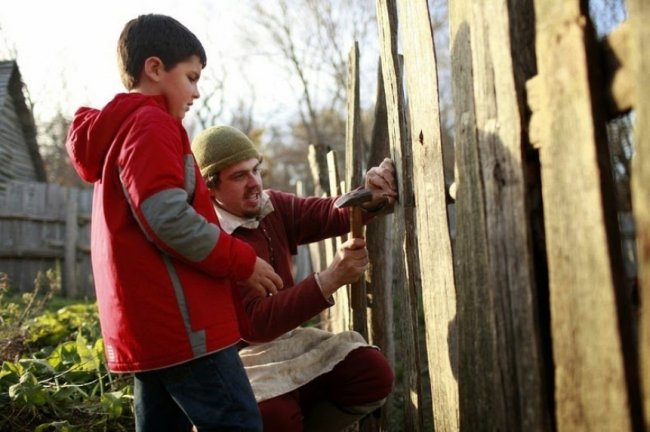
column 65, row 49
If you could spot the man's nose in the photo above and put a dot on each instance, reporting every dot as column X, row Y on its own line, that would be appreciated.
column 253, row 180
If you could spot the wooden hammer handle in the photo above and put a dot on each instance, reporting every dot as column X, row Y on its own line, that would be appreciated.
column 358, row 294
column 356, row 222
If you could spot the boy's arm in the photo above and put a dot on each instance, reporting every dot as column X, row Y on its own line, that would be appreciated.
column 154, row 170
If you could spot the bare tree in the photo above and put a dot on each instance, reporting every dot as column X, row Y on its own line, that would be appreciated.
column 7, row 48
column 51, row 137
column 310, row 39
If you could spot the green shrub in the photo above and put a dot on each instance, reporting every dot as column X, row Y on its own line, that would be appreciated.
column 53, row 375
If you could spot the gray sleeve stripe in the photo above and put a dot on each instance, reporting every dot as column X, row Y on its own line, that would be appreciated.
column 197, row 338
column 190, row 177
column 131, row 206
column 178, row 225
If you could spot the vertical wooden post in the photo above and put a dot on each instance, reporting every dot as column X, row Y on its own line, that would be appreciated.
column 434, row 243
column 339, row 314
column 639, row 18
column 406, row 261
column 379, row 239
column 495, row 277
column 302, row 259
column 317, row 250
column 70, row 282
column 354, row 177
column 585, row 265
column 475, row 284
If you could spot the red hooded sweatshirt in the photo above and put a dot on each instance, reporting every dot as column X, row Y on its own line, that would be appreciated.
column 163, row 269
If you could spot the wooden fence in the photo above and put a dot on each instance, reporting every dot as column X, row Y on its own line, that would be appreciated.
column 45, row 226
column 531, row 322
column 527, row 322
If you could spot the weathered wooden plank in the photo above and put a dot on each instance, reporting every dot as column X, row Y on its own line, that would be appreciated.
column 7, row 216
column 338, row 316
column 379, row 239
column 474, row 281
column 618, row 54
column 70, row 244
column 497, row 29
column 32, row 252
column 22, row 272
column 406, row 263
column 640, row 46
column 354, row 177
column 434, row 243
column 590, row 376
column 317, row 250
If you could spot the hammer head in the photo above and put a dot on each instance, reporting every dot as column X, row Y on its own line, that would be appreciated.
column 353, row 198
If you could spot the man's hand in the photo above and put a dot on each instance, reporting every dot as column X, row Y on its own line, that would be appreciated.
column 264, row 279
column 348, row 265
column 381, row 181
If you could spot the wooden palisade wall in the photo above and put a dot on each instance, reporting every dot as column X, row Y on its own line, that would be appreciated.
column 528, row 326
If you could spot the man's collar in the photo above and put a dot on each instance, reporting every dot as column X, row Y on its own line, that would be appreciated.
column 230, row 222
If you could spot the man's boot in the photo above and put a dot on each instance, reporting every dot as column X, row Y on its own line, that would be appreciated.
column 327, row 417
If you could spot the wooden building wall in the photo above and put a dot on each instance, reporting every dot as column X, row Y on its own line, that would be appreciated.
column 19, row 155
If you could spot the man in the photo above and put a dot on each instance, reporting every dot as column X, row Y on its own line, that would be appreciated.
column 302, row 377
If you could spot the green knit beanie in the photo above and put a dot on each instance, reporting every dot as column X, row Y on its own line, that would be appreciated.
column 219, row 147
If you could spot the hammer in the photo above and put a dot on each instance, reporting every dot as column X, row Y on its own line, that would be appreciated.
column 354, row 199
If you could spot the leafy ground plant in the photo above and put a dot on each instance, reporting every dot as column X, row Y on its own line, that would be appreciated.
column 53, row 375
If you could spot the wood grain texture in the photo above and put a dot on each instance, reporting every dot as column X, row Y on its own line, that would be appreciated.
column 477, row 370
column 46, row 226
column 433, row 240
column 590, row 382
column 404, row 242
column 379, row 277
column 354, row 178
column 338, row 317
column 498, row 324
column 640, row 46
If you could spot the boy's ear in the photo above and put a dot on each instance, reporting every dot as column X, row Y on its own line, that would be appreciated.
column 153, row 67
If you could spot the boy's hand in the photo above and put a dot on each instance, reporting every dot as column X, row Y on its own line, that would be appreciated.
column 264, row 279
column 348, row 265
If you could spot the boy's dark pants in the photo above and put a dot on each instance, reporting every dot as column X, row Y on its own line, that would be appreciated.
column 211, row 393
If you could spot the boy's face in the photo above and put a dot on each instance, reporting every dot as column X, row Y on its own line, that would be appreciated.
column 240, row 187
column 179, row 86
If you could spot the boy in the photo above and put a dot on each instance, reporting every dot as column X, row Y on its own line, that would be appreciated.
column 163, row 268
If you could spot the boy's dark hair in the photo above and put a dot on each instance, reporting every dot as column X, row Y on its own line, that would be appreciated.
column 154, row 35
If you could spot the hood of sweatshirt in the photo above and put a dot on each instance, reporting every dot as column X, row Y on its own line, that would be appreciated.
column 93, row 131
